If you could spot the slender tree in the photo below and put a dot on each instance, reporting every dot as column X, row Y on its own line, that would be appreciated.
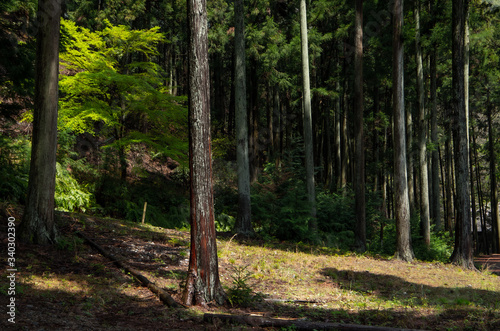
column 203, row 283
column 422, row 137
column 436, row 206
column 359, row 173
column 463, row 252
column 401, row 200
column 243, row 221
column 37, row 225
column 306, row 102
column 493, row 178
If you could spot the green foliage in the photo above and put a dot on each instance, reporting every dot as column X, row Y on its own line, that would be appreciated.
column 110, row 79
column 14, row 162
column 440, row 248
column 224, row 222
column 279, row 203
column 336, row 219
column 240, row 293
column 70, row 195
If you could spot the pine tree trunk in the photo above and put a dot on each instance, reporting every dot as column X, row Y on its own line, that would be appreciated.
column 37, row 225
column 338, row 135
column 253, row 144
column 493, row 179
column 344, row 134
column 402, row 205
column 482, row 214
column 463, row 253
column 450, row 201
column 308, row 136
column 422, row 139
column 359, row 173
column 436, row 208
column 243, row 221
column 202, row 284
column 277, row 126
column 410, row 157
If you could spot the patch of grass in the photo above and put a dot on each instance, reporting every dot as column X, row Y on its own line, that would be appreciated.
column 379, row 289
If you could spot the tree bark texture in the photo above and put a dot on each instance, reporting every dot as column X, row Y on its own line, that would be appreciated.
column 203, row 283
column 243, row 221
column 493, row 180
column 402, row 206
column 436, row 206
column 463, row 252
column 359, row 161
column 37, row 225
column 306, row 98
column 422, row 138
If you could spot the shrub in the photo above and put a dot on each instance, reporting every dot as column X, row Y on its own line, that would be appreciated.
column 279, row 204
column 70, row 195
column 14, row 162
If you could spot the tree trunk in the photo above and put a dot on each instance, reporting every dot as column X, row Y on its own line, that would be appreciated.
column 338, row 135
column 308, row 137
column 410, row 157
column 359, row 173
column 202, row 284
column 243, row 221
column 422, row 139
column 402, row 205
column 344, row 135
column 253, row 145
column 436, row 208
column 482, row 214
column 450, row 201
column 277, row 126
column 463, row 253
column 37, row 225
column 493, row 179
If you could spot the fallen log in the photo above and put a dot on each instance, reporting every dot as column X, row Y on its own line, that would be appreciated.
column 162, row 295
column 265, row 322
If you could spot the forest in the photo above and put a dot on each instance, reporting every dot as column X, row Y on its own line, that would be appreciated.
column 358, row 127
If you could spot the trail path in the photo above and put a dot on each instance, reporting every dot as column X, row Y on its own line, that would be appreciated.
column 493, row 262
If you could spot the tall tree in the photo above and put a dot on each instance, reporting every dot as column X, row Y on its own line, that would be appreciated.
column 243, row 220
column 463, row 252
column 306, row 103
column 402, row 205
column 203, row 283
column 37, row 225
column 359, row 173
column 436, row 206
column 422, row 135
column 493, row 178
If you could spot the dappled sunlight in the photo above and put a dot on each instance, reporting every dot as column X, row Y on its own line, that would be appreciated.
column 372, row 287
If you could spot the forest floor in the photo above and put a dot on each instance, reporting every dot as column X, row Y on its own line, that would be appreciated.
column 73, row 287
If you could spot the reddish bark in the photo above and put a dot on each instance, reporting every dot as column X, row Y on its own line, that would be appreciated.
column 203, row 284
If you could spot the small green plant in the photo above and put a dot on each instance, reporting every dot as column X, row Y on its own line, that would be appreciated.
column 241, row 294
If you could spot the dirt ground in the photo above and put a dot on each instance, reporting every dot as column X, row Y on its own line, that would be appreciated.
column 71, row 286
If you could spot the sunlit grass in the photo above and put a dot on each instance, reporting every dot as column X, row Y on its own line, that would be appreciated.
column 361, row 283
